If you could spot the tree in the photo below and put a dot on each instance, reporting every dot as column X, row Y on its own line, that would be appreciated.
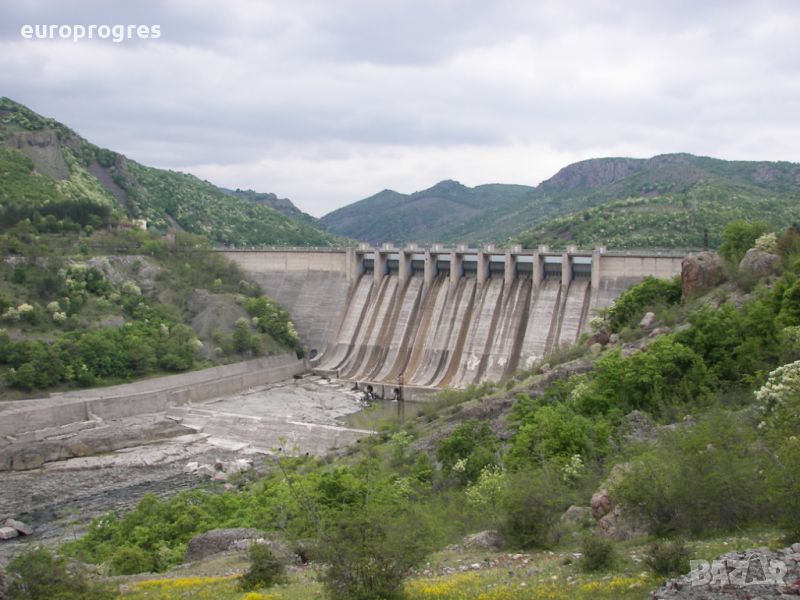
column 738, row 237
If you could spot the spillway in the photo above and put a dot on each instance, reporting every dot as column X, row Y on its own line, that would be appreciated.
column 437, row 316
column 450, row 332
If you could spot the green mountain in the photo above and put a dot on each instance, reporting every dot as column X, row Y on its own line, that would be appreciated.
column 449, row 211
column 60, row 181
column 666, row 201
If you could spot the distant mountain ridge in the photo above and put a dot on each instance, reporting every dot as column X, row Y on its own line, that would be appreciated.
column 50, row 171
column 668, row 201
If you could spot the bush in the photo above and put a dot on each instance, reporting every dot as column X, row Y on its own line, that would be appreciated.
column 599, row 554
column 265, row 569
column 698, row 479
column 668, row 558
column 533, row 502
column 369, row 550
column 129, row 560
column 471, row 447
column 737, row 238
column 39, row 575
column 649, row 294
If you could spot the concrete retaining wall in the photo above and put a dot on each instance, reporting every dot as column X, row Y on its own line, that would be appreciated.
column 149, row 396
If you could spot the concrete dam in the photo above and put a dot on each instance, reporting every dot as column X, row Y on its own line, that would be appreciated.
column 442, row 317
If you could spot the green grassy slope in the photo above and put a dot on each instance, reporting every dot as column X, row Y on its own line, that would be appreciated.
column 47, row 169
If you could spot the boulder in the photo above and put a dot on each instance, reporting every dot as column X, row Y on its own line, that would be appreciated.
column 577, row 515
column 701, row 272
column 600, row 504
column 485, row 540
column 7, row 533
column 601, row 337
column 21, row 527
column 648, row 320
column 758, row 263
column 613, row 338
column 611, row 522
column 218, row 540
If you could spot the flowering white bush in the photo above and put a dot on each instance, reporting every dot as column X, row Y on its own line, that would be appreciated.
column 767, row 243
column 53, row 307
column 131, row 288
column 24, row 308
column 487, row 491
column 11, row 315
column 59, row 317
column 779, row 398
column 597, row 323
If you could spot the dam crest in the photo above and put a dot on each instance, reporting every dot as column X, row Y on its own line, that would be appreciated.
column 435, row 317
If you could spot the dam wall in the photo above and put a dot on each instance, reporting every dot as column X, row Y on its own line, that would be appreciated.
column 312, row 284
column 435, row 317
column 21, row 417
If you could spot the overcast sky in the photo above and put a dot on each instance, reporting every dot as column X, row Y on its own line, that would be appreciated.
column 329, row 102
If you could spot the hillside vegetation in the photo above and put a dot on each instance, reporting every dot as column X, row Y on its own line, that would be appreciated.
column 80, row 310
column 686, row 423
column 668, row 201
column 60, row 181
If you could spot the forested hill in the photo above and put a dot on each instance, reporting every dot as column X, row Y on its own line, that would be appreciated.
column 60, row 181
column 666, row 201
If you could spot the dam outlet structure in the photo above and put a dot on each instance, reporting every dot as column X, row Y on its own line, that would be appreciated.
column 426, row 318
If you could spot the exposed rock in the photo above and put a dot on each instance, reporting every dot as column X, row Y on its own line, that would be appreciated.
column 648, row 320
column 757, row 573
column 601, row 337
column 7, row 533
column 613, row 338
column 19, row 526
column 600, row 504
column 111, row 436
column 612, row 523
column 191, row 467
column 659, row 331
column 701, row 272
column 577, row 515
column 640, row 427
column 219, row 540
column 759, row 263
column 485, row 540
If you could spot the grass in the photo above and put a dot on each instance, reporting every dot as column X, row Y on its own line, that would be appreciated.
column 455, row 574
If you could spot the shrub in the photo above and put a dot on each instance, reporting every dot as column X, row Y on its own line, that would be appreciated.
column 598, row 553
column 737, row 238
column 471, row 447
column 698, row 479
column 129, row 560
column 265, row 569
column 668, row 558
column 649, row 294
column 39, row 575
column 369, row 550
column 530, row 509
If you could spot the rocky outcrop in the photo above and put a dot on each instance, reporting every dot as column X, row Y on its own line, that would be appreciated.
column 701, row 272
column 484, row 540
column 577, row 516
column 96, row 439
column 611, row 522
column 757, row 263
column 224, row 540
column 758, row 573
